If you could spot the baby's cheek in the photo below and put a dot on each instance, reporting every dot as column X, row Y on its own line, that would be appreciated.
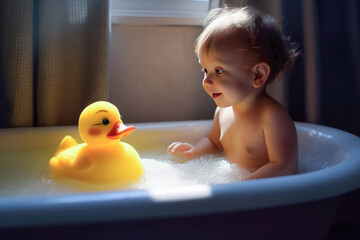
column 94, row 131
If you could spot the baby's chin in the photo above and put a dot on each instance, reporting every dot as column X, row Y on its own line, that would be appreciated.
column 222, row 105
column 219, row 100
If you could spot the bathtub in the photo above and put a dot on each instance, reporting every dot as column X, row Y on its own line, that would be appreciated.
column 301, row 206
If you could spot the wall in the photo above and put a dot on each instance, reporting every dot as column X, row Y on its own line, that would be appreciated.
column 155, row 75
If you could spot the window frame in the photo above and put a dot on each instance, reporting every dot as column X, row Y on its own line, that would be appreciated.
column 159, row 12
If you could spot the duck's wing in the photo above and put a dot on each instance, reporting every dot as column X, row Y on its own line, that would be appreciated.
column 67, row 142
column 81, row 162
column 71, row 159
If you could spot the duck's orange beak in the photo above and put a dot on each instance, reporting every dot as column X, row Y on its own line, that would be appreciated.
column 120, row 130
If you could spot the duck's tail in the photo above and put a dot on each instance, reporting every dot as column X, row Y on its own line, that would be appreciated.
column 67, row 142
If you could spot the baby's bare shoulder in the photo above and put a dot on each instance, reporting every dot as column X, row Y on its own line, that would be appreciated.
column 274, row 113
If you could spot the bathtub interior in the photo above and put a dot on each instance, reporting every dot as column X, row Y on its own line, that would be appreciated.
column 24, row 155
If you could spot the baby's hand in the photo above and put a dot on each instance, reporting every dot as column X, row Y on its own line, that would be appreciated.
column 187, row 149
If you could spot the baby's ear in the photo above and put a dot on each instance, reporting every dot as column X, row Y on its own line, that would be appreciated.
column 261, row 73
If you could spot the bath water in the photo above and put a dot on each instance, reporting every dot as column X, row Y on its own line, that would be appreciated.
column 27, row 173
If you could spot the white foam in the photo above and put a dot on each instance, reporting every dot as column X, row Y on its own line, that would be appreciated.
column 169, row 172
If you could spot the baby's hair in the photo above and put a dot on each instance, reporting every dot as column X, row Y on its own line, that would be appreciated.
column 260, row 33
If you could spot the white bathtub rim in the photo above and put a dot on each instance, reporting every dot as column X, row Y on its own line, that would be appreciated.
column 325, row 183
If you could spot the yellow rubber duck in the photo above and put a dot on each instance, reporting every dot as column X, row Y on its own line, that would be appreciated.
column 102, row 158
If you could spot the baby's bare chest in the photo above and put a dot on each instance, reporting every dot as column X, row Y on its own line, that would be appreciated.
column 242, row 136
column 244, row 142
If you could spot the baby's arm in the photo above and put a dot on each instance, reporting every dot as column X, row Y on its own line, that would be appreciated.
column 208, row 144
column 281, row 142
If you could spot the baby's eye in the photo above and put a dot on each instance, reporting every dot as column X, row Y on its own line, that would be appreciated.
column 204, row 70
column 218, row 71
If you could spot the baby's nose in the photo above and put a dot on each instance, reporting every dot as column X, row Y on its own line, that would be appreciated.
column 208, row 80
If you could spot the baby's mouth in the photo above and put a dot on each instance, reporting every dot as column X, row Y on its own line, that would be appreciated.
column 215, row 95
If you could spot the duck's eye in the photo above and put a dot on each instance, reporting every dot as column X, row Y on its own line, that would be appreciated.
column 105, row 121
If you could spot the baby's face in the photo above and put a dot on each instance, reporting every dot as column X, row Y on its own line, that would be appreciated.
column 227, row 76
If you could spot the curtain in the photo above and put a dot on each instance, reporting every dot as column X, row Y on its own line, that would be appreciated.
column 339, row 63
column 330, row 37
column 53, row 60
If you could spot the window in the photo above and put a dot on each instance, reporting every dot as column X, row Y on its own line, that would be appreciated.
column 159, row 12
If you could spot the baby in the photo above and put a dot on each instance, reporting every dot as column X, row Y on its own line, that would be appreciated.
column 241, row 51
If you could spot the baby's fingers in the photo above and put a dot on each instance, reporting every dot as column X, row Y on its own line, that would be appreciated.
column 179, row 147
column 189, row 153
column 172, row 146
